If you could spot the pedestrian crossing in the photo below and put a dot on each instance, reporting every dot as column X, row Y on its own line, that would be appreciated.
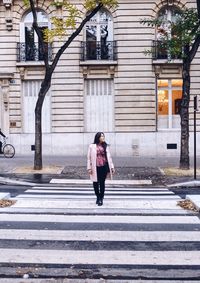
column 140, row 233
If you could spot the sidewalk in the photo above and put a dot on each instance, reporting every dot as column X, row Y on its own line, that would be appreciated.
column 74, row 167
column 162, row 171
column 8, row 165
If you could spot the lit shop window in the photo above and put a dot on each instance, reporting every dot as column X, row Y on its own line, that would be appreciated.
column 169, row 103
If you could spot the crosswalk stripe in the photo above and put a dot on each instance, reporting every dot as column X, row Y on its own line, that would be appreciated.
column 95, row 210
column 108, row 192
column 112, row 197
column 81, row 235
column 99, row 218
column 90, row 189
column 85, row 203
column 101, row 257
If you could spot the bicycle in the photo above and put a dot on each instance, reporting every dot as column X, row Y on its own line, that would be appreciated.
column 8, row 149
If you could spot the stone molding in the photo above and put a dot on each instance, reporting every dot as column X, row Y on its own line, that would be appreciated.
column 8, row 14
column 5, row 92
column 102, row 71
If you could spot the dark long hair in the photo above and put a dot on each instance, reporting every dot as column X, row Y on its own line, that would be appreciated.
column 96, row 141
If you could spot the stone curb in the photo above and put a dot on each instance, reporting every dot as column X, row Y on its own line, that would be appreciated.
column 108, row 182
column 185, row 184
column 15, row 182
column 4, row 195
column 195, row 199
column 30, row 280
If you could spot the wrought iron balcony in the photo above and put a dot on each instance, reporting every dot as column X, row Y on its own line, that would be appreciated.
column 32, row 52
column 160, row 52
column 97, row 50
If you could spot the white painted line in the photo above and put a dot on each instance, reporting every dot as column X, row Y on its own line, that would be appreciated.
column 80, row 235
column 97, row 211
column 82, row 191
column 140, row 204
column 90, row 188
column 78, row 196
column 99, row 218
column 113, row 182
column 188, row 258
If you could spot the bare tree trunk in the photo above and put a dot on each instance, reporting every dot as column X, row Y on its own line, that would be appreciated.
column 184, row 113
column 38, row 122
column 189, row 54
column 38, row 137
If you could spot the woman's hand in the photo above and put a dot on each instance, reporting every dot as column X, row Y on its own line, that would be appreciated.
column 89, row 171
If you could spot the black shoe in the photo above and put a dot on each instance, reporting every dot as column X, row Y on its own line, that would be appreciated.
column 100, row 203
column 97, row 201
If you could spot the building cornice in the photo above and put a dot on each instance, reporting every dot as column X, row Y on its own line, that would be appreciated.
column 6, row 75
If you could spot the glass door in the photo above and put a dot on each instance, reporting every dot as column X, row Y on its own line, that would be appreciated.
column 169, row 103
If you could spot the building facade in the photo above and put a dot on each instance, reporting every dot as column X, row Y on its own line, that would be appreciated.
column 103, row 82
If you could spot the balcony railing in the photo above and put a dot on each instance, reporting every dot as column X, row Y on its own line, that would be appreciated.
column 160, row 52
column 32, row 52
column 97, row 50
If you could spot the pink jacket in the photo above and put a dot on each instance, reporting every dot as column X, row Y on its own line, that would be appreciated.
column 92, row 159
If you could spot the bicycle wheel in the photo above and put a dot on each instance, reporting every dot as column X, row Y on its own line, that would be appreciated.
column 9, row 150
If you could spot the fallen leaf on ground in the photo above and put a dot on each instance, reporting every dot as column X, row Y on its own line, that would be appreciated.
column 187, row 204
column 174, row 171
column 6, row 202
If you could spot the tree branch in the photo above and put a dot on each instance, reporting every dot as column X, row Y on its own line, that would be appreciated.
column 74, row 34
column 39, row 33
column 194, row 48
column 198, row 8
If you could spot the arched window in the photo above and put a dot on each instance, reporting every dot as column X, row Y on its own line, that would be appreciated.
column 99, row 37
column 166, row 16
column 30, row 46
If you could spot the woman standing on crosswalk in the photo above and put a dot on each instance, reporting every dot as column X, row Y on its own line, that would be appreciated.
column 99, row 165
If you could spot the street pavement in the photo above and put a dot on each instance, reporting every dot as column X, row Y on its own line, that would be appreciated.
column 8, row 165
column 56, row 230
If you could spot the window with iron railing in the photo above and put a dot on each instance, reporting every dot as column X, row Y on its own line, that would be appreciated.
column 97, row 50
column 167, row 17
column 159, row 51
column 98, row 41
column 33, row 52
column 30, row 48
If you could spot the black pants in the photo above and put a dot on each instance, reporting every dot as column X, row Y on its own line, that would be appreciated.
column 99, row 186
column 1, row 146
